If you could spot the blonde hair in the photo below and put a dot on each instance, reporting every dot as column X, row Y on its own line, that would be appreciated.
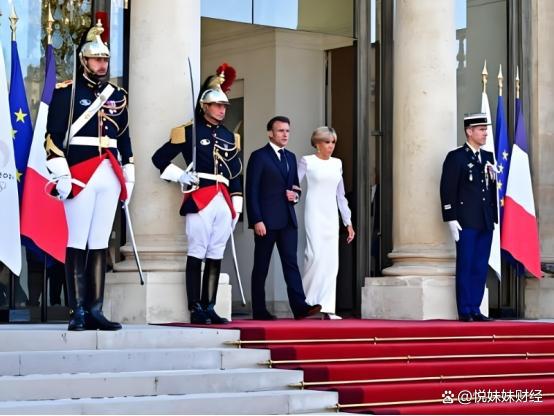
column 321, row 134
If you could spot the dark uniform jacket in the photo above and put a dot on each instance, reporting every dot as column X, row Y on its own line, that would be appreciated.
column 111, row 121
column 468, row 193
column 217, row 152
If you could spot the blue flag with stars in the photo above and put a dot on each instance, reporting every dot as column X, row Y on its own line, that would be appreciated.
column 22, row 128
column 502, row 154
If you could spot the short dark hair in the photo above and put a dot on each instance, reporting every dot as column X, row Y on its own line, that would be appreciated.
column 282, row 119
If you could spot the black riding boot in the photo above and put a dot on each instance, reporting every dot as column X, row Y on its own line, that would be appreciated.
column 193, row 276
column 96, row 273
column 76, row 288
column 210, row 283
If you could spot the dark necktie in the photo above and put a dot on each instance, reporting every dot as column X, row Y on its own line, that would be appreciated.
column 477, row 155
column 283, row 159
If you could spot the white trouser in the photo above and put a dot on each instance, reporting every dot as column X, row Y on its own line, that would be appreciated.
column 208, row 230
column 91, row 213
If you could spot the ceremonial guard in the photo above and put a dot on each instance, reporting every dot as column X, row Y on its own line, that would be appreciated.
column 89, row 155
column 213, row 202
column 469, row 206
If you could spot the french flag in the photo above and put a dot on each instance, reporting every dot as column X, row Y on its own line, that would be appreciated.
column 43, row 216
column 519, row 232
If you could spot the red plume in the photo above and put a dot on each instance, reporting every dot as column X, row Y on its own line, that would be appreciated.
column 230, row 75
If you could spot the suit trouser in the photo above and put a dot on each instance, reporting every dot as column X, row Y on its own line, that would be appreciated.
column 287, row 242
column 472, row 259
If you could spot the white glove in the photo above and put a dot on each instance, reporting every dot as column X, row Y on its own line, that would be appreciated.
column 129, row 175
column 189, row 178
column 237, row 203
column 237, row 206
column 61, row 175
column 63, row 187
column 455, row 229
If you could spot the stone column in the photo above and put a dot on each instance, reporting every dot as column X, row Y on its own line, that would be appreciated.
column 538, row 65
column 162, row 36
column 421, row 283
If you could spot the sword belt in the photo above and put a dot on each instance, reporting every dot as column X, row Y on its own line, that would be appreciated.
column 216, row 178
column 103, row 142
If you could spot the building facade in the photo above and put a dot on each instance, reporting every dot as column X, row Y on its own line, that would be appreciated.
column 393, row 77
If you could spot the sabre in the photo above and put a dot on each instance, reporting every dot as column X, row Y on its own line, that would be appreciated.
column 192, row 166
column 193, row 117
column 67, row 140
column 235, row 262
column 133, row 242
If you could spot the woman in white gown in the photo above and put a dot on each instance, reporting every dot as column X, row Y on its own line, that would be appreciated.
column 324, row 199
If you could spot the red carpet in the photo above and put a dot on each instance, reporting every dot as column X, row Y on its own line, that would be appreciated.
column 417, row 367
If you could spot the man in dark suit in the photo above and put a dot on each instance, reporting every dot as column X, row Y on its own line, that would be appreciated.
column 469, row 206
column 272, row 190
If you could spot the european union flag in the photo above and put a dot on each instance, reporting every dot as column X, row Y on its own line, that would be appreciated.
column 502, row 154
column 22, row 128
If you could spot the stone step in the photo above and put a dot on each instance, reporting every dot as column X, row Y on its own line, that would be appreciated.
column 100, row 361
column 266, row 402
column 57, row 338
column 143, row 383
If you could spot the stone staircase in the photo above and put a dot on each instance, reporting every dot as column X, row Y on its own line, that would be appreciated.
column 143, row 370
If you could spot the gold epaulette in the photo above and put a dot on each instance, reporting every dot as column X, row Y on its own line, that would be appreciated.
column 237, row 135
column 51, row 148
column 64, row 84
column 177, row 135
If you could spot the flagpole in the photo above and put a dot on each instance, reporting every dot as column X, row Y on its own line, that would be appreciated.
column 13, row 22
column 500, row 81
column 44, row 304
column 484, row 76
column 517, row 82
column 50, row 22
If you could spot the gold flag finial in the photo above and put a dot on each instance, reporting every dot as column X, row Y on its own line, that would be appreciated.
column 13, row 21
column 517, row 81
column 50, row 22
column 484, row 76
column 500, row 81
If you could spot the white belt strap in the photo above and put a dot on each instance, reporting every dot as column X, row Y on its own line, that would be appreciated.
column 90, row 111
column 211, row 176
column 103, row 141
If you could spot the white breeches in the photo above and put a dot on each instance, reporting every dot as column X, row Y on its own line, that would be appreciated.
column 208, row 230
column 91, row 213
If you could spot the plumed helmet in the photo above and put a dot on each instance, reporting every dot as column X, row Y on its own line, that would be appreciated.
column 215, row 86
column 93, row 47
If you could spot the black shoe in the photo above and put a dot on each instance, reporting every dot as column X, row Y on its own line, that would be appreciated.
column 214, row 317
column 479, row 317
column 465, row 318
column 264, row 316
column 95, row 319
column 199, row 316
column 309, row 311
column 77, row 319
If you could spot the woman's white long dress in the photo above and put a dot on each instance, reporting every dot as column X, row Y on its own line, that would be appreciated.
column 324, row 198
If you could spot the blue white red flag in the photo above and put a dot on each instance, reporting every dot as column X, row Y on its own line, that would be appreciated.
column 43, row 216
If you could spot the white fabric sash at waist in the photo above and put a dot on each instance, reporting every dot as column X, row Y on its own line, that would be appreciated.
column 94, row 141
column 213, row 177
